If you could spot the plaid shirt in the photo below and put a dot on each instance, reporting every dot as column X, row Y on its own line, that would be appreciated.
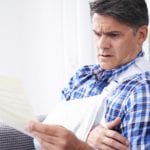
column 130, row 101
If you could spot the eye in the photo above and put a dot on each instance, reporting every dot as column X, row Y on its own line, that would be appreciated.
column 113, row 35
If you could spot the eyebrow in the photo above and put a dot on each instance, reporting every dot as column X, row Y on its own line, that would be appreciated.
column 107, row 33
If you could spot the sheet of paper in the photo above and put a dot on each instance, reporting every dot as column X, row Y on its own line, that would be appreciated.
column 15, row 109
column 79, row 116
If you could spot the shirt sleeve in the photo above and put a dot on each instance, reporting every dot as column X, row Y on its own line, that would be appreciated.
column 66, row 91
column 79, row 78
column 136, row 123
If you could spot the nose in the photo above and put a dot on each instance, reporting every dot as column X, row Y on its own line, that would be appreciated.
column 103, row 42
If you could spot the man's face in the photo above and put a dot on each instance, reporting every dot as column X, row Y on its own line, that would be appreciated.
column 116, row 43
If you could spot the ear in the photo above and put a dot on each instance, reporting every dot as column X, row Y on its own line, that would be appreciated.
column 142, row 34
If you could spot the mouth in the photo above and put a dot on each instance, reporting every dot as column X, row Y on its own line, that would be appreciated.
column 105, row 56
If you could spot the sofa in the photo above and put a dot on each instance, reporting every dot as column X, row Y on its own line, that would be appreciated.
column 11, row 139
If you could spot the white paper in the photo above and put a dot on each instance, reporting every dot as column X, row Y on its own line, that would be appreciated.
column 79, row 116
column 15, row 109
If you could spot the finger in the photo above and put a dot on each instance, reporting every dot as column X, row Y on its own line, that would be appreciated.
column 114, row 144
column 45, row 137
column 114, row 123
column 53, row 130
column 116, row 136
column 104, row 147
column 44, row 145
column 32, row 126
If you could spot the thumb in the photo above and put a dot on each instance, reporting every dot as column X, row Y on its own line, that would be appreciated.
column 114, row 123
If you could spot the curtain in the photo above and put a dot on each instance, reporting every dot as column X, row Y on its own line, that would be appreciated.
column 77, row 36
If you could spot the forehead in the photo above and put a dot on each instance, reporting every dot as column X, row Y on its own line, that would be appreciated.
column 108, row 23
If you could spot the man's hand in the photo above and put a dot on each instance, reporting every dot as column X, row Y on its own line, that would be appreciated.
column 102, row 138
column 53, row 137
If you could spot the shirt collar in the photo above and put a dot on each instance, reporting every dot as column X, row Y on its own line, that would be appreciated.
column 100, row 73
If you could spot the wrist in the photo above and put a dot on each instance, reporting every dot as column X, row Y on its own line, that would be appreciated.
column 84, row 146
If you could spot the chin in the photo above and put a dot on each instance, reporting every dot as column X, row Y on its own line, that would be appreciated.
column 107, row 67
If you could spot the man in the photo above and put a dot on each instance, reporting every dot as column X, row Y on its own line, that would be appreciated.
column 120, row 28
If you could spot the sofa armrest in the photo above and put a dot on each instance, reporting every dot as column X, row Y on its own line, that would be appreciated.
column 11, row 139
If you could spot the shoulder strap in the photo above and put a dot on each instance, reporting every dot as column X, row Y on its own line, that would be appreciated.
column 141, row 65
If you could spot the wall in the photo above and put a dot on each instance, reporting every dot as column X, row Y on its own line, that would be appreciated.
column 31, row 47
column 146, row 46
column 41, row 43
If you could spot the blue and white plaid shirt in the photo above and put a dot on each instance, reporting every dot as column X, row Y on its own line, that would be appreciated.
column 130, row 101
